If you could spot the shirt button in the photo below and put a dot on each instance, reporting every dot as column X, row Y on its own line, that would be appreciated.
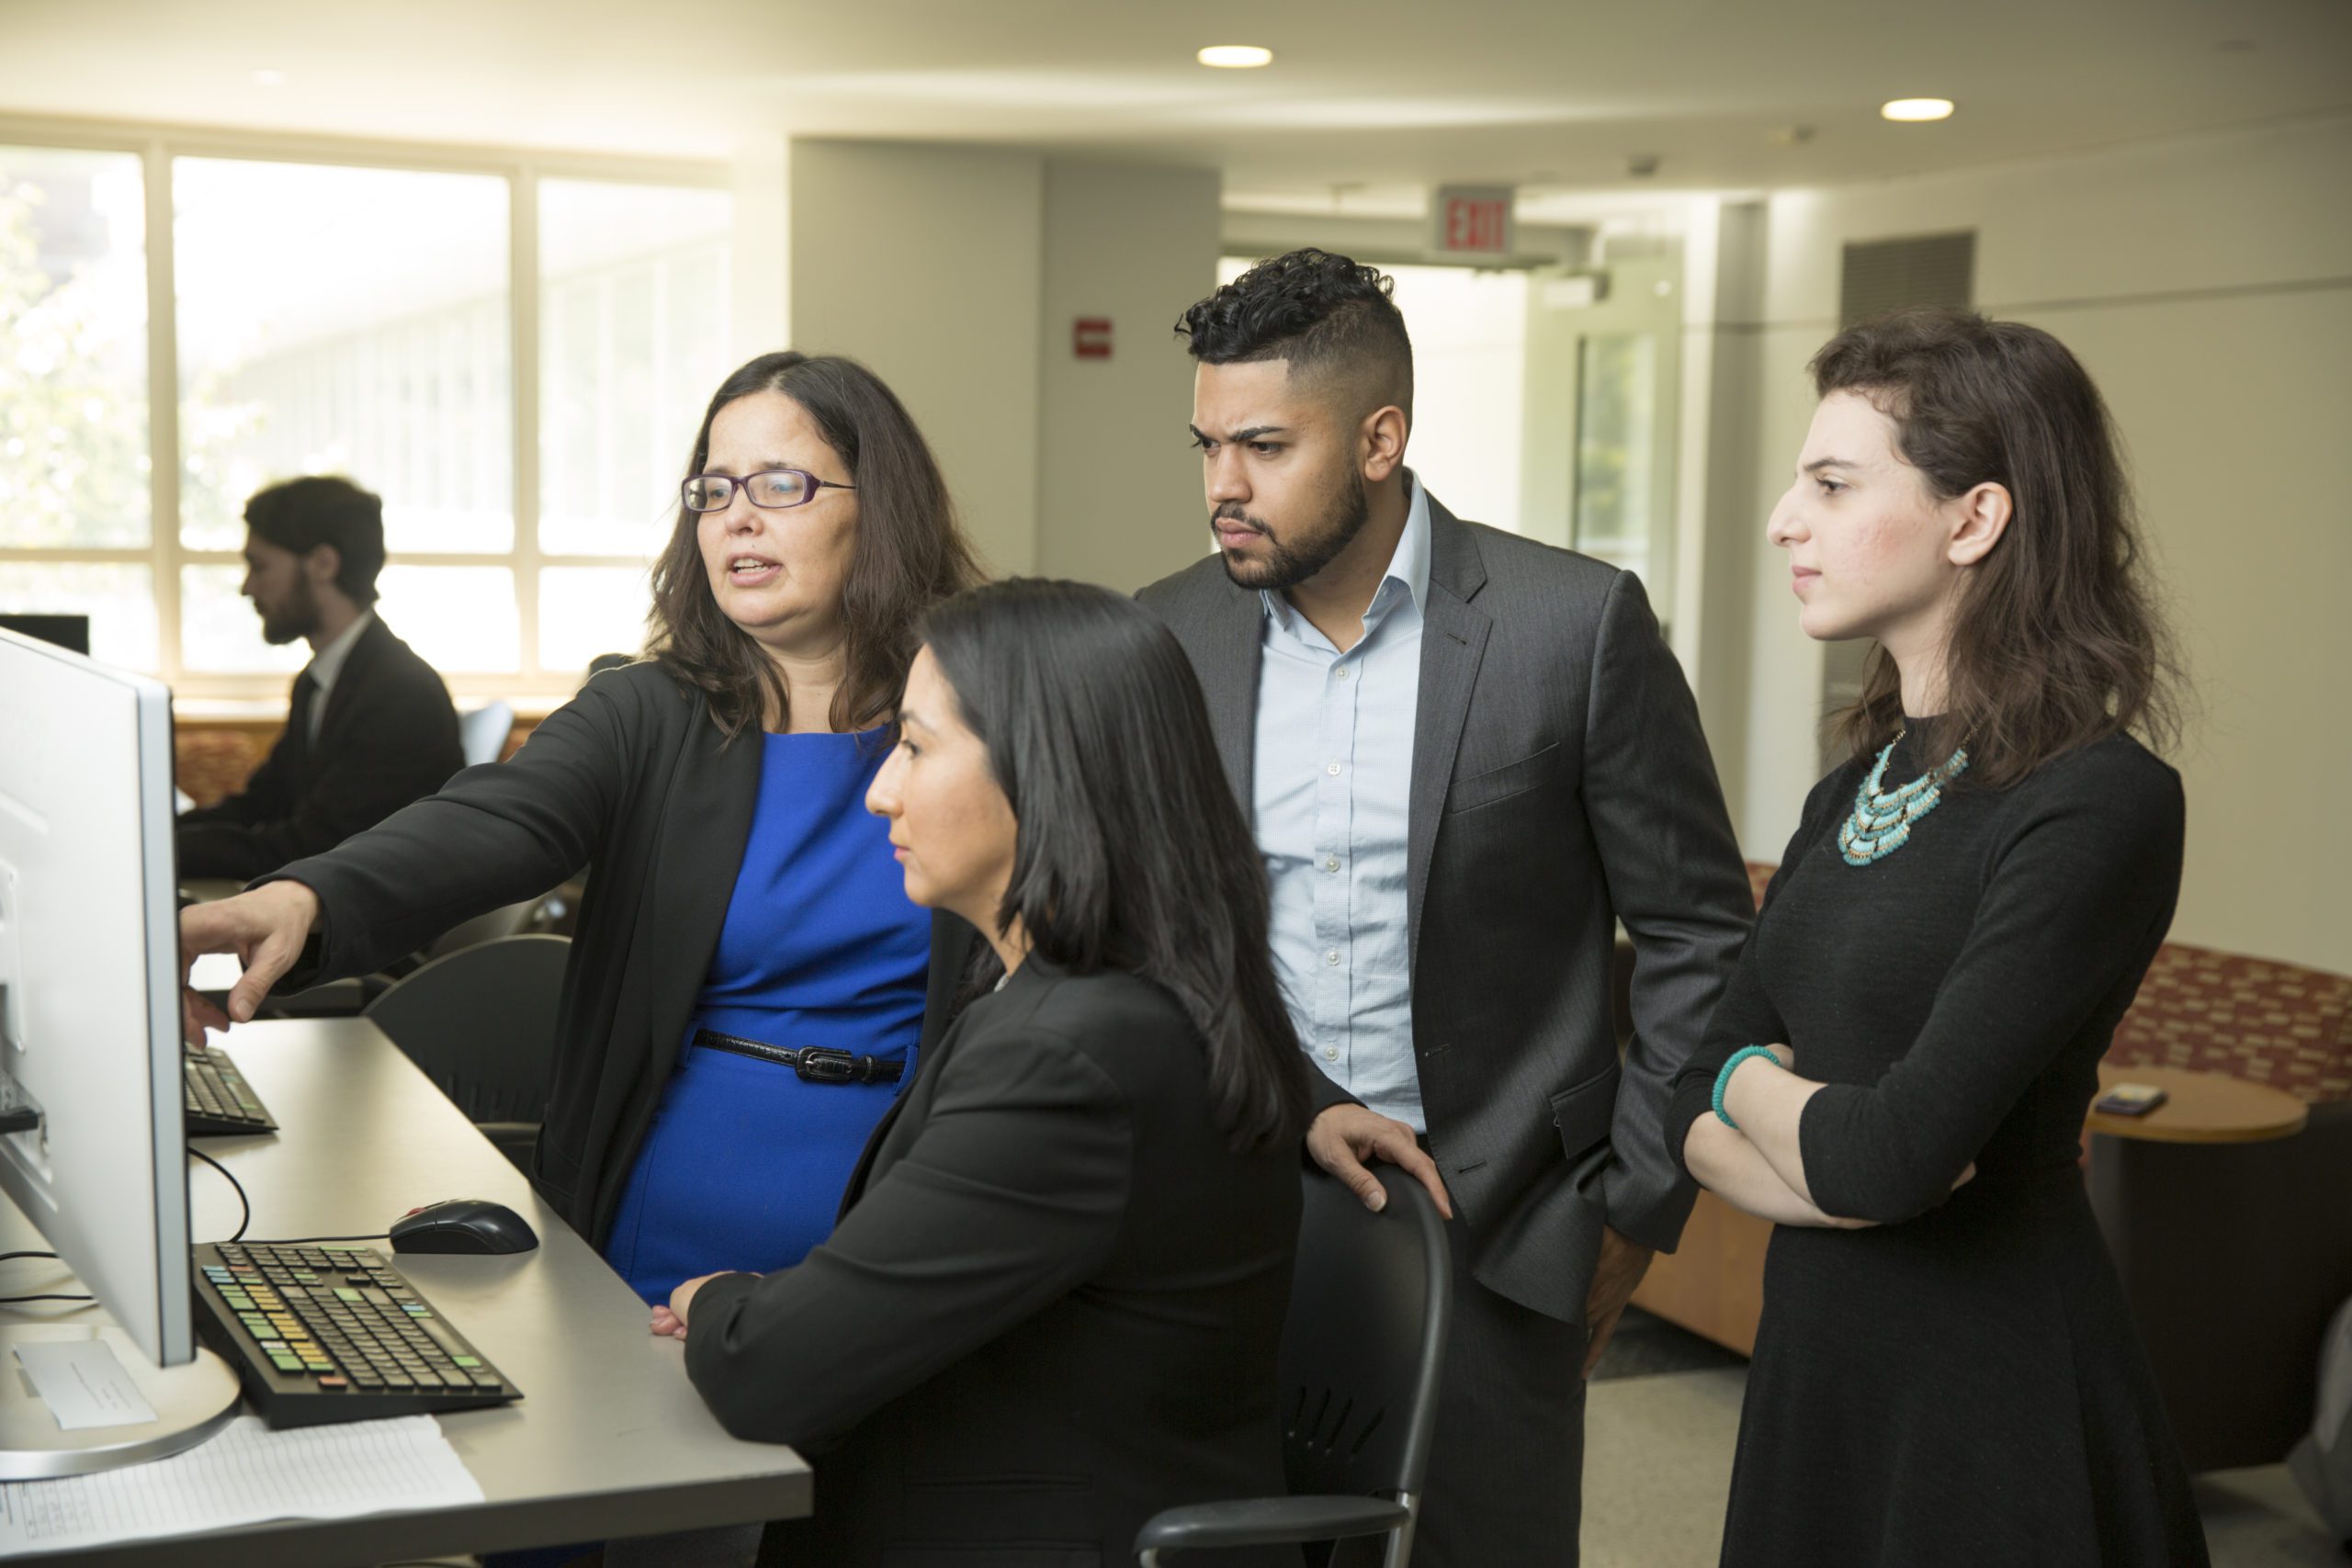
column 1330, row 1053
column 1332, row 956
column 1330, row 863
column 1332, row 769
column 1341, row 673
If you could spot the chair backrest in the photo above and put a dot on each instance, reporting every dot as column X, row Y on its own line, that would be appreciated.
column 1364, row 1341
column 481, row 1024
column 508, row 919
column 483, row 732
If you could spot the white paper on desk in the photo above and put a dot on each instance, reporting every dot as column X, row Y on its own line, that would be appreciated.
column 245, row 1474
column 83, row 1384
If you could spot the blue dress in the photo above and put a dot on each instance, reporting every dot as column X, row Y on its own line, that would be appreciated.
column 745, row 1163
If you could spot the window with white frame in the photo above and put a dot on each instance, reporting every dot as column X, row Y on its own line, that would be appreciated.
column 360, row 318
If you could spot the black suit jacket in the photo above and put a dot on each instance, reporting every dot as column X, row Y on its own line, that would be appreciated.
column 1560, row 784
column 389, row 736
column 1051, row 1307
column 634, row 776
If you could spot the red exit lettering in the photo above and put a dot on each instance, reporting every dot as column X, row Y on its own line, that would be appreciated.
column 1474, row 224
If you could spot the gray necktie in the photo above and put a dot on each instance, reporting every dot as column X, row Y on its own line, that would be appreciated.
column 298, row 713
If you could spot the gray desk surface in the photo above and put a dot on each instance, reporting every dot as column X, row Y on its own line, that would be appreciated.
column 609, row 1440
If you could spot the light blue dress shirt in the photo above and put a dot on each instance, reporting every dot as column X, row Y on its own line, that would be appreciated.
column 1333, row 785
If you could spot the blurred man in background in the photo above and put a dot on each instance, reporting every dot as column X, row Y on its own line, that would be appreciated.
column 371, row 726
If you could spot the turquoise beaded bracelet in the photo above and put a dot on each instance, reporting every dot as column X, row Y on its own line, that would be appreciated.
column 1723, row 1079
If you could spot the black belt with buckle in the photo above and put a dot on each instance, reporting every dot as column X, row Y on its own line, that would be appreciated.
column 815, row 1063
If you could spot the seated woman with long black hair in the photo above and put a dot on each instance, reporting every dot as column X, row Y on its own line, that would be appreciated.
column 1051, row 1306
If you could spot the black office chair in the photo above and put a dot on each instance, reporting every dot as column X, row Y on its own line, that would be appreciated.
column 353, row 997
column 481, row 1022
column 1362, row 1351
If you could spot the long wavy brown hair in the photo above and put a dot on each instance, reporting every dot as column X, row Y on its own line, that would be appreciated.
column 909, row 553
column 2056, row 641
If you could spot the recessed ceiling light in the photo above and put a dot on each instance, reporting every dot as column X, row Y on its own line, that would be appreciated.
column 1916, row 109
column 269, row 78
column 1235, row 56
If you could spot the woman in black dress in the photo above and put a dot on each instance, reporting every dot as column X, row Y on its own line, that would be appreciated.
column 1946, row 1372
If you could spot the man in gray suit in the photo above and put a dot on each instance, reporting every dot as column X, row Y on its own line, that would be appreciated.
column 1467, row 757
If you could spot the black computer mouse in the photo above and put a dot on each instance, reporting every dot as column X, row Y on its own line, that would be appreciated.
column 463, row 1224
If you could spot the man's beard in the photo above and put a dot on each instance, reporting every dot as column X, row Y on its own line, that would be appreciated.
column 1289, row 564
column 295, row 619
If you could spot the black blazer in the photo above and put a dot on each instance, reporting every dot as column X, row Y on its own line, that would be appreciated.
column 1051, row 1307
column 634, row 776
column 389, row 736
column 1560, row 784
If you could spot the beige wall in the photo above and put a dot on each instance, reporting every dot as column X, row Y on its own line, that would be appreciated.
column 923, row 262
column 2207, row 285
column 956, row 272
column 759, row 307
column 1119, row 490
column 1723, row 286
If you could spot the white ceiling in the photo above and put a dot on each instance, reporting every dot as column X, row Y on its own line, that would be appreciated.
column 1380, row 95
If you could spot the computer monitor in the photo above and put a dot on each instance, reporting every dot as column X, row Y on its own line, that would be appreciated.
column 90, row 1032
column 65, row 631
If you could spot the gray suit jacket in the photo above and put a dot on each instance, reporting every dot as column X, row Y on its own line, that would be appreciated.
column 1560, row 784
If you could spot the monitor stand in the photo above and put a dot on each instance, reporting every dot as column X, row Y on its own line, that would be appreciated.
column 190, row 1402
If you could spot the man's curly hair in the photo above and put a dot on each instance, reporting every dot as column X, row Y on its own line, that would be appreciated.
column 1331, row 317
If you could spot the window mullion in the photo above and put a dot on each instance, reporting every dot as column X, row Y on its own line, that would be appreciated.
column 523, row 293
column 162, row 407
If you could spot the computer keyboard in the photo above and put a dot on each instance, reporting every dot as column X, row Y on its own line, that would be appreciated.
column 335, row 1333
column 221, row 1103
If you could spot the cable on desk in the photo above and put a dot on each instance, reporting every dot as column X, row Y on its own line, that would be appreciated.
column 12, row 1301
column 244, row 1220
column 246, row 1216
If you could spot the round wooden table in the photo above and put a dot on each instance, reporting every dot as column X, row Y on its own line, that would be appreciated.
column 2190, row 1199
column 2200, row 1107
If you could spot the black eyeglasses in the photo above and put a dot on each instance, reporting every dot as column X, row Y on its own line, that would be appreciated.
column 776, row 488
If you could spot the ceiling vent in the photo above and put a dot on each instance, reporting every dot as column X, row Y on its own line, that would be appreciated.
column 1924, row 269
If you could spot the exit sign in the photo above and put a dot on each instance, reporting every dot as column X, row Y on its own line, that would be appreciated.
column 1473, row 220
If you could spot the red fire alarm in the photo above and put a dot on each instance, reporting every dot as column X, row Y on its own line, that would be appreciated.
column 1090, row 337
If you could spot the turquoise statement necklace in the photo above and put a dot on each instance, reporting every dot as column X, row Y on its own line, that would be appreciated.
column 1881, row 821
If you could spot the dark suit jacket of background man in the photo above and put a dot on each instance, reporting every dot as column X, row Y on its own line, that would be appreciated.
column 389, row 736
column 1560, row 784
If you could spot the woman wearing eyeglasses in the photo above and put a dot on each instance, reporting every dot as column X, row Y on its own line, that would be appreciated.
column 750, row 983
